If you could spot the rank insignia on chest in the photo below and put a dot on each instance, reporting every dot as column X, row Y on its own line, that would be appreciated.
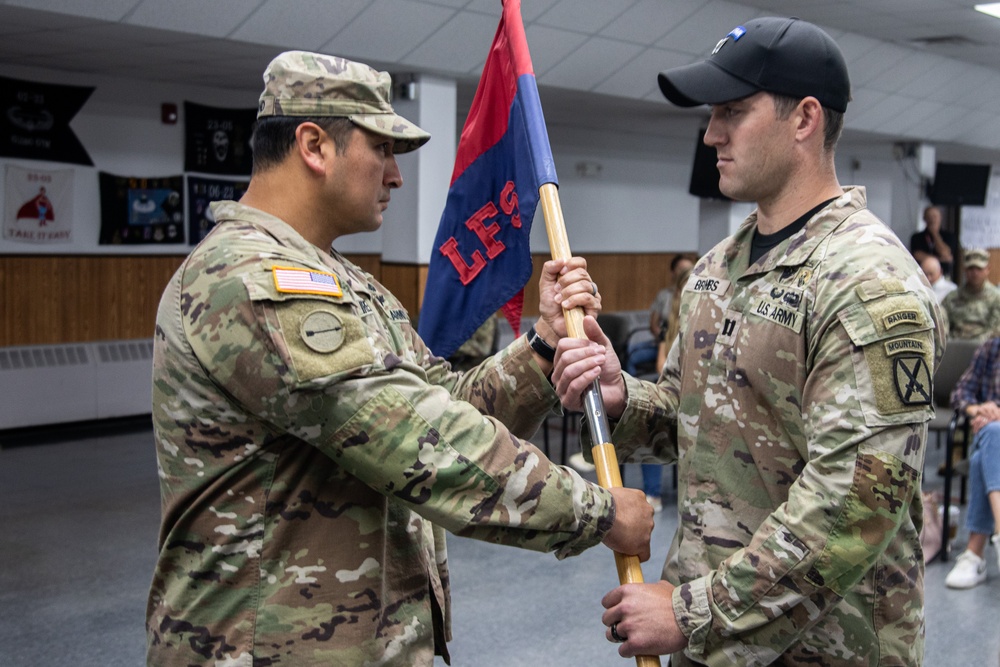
column 912, row 378
column 305, row 281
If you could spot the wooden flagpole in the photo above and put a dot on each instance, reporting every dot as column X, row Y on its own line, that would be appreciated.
column 605, row 458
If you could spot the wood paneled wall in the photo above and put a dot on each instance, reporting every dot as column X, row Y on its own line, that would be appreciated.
column 69, row 299
column 72, row 299
column 60, row 299
column 627, row 281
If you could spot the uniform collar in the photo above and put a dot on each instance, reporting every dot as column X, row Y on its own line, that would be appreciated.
column 282, row 232
column 795, row 250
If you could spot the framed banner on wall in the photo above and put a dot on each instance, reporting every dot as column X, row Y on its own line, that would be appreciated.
column 202, row 192
column 138, row 210
column 38, row 205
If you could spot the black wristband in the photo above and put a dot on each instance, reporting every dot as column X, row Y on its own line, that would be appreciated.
column 538, row 344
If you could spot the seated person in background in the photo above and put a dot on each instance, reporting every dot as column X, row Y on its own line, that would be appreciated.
column 974, row 308
column 673, row 322
column 479, row 346
column 645, row 352
column 977, row 394
column 935, row 242
column 940, row 283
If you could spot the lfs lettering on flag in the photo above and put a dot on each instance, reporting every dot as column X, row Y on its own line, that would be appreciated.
column 467, row 271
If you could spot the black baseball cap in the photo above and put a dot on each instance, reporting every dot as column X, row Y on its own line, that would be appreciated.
column 785, row 56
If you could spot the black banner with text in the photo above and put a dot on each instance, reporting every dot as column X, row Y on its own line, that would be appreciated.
column 34, row 121
column 217, row 141
column 202, row 192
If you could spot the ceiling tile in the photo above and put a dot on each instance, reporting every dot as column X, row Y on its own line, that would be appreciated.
column 637, row 78
column 549, row 46
column 840, row 15
column 591, row 63
column 915, row 112
column 465, row 39
column 587, row 16
column 986, row 96
column 166, row 40
column 879, row 60
column 854, row 46
column 387, row 30
column 780, row 7
column 935, row 126
column 967, row 78
column 107, row 10
column 862, row 99
column 29, row 44
column 20, row 19
column 968, row 128
column 216, row 18
column 882, row 112
column 907, row 69
column 454, row 4
column 530, row 10
column 270, row 24
column 699, row 32
column 649, row 20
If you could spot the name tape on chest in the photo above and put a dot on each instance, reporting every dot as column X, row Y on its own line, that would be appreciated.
column 305, row 281
column 712, row 285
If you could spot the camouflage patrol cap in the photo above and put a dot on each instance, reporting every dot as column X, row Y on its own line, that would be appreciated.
column 977, row 257
column 298, row 83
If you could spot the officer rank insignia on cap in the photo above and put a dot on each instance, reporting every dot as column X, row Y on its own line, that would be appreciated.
column 306, row 281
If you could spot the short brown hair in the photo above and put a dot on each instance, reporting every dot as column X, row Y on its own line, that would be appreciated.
column 273, row 137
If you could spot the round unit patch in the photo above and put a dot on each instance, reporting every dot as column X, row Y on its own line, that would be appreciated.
column 322, row 331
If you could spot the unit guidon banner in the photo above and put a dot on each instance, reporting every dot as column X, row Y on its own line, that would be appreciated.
column 202, row 192
column 217, row 141
column 138, row 210
column 38, row 205
column 34, row 121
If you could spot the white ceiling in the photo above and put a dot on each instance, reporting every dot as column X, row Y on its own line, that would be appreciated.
column 922, row 70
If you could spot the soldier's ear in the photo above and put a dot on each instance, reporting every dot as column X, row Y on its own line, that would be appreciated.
column 311, row 145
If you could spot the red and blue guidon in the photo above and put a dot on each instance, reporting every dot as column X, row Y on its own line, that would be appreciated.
column 482, row 259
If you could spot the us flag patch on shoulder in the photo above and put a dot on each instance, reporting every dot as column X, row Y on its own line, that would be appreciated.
column 306, row 281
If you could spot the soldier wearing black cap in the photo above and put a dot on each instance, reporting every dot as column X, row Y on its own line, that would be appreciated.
column 795, row 397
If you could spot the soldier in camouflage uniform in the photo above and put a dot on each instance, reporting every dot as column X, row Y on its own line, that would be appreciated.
column 973, row 309
column 796, row 397
column 472, row 352
column 311, row 450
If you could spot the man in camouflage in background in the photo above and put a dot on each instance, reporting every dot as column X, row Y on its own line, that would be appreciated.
column 796, row 397
column 973, row 309
column 311, row 450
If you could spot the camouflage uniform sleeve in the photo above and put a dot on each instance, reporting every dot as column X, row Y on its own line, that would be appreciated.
column 646, row 432
column 864, row 451
column 376, row 415
column 521, row 411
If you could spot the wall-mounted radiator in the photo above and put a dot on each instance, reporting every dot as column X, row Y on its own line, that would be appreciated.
column 52, row 384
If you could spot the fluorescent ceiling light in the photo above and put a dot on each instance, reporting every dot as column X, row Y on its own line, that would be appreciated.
column 991, row 8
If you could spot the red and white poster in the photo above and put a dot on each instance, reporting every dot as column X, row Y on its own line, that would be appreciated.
column 38, row 205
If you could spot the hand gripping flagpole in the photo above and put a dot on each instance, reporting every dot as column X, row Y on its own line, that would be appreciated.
column 605, row 458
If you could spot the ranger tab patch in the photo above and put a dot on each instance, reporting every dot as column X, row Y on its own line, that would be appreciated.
column 913, row 379
column 305, row 281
